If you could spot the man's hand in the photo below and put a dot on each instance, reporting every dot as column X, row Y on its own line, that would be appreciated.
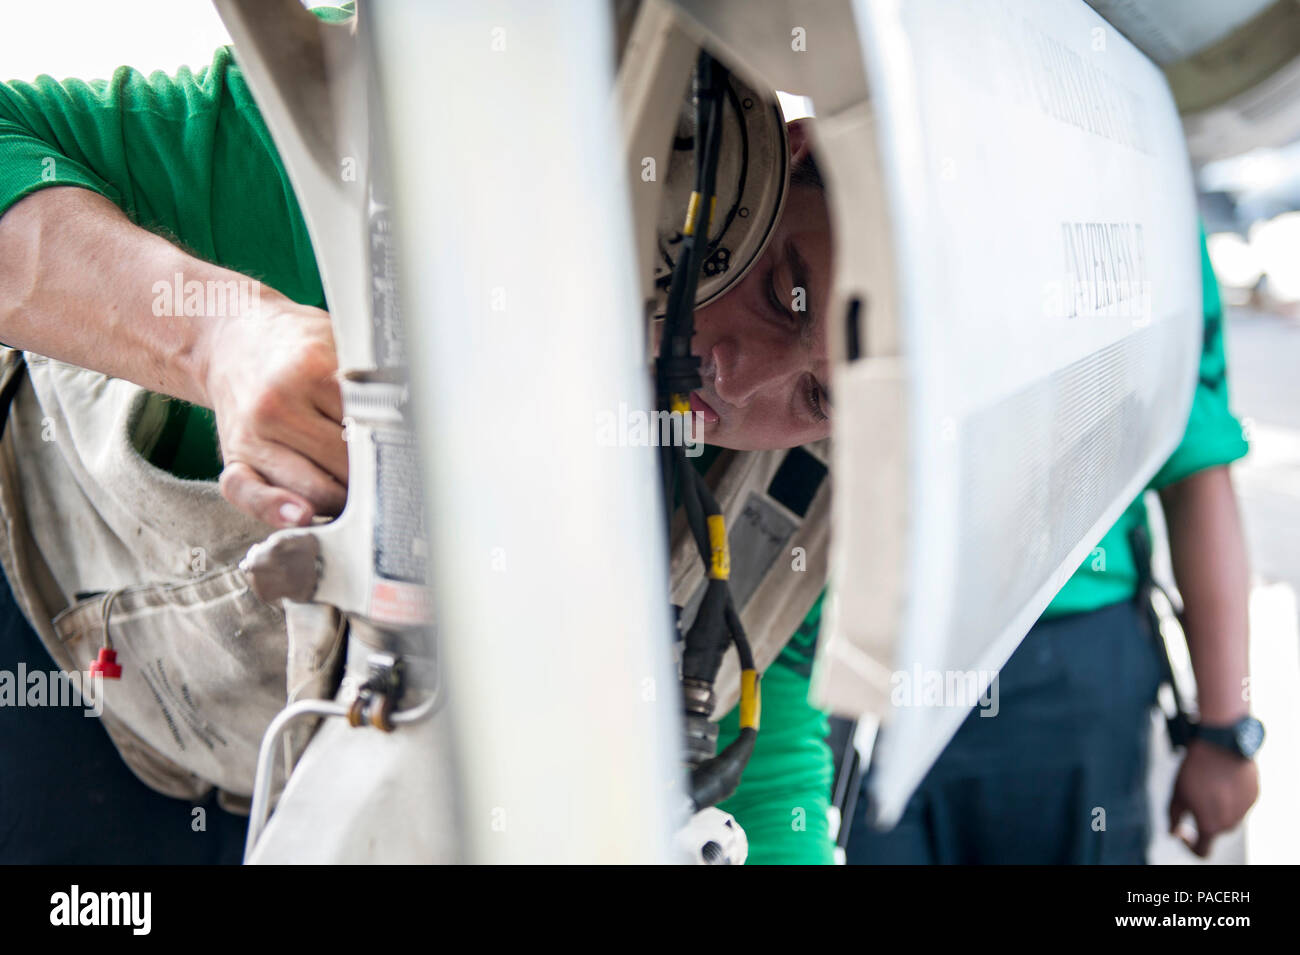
column 1216, row 788
column 271, row 379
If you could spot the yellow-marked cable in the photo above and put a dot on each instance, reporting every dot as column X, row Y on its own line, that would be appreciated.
column 751, row 700
column 692, row 214
column 720, row 561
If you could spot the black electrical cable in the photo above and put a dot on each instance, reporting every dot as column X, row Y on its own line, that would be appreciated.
column 696, row 516
column 738, row 636
column 678, row 368
column 718, row 778
column 717, row 623
column 708, row 637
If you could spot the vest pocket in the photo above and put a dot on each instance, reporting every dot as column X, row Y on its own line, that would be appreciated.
column 203, row 669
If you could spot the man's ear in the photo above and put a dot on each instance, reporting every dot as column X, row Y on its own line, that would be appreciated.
column 800, row 133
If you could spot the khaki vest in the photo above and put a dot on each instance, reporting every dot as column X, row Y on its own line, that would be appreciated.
column 102, row 548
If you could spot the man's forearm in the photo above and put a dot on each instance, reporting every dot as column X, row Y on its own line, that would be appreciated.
column 1208, row 550
column 77, row 284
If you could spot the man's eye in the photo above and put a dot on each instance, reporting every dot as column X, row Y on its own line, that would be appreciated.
column 815, row 402
column 775, row 299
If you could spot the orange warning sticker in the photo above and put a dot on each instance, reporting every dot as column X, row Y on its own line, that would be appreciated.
column 399, row 603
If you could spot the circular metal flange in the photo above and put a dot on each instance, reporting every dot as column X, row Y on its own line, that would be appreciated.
column 752, row 182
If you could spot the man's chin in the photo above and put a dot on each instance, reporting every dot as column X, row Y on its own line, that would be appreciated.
column 732, row 443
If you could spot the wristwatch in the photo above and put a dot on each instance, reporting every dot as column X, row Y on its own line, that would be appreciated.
column 1242, row 737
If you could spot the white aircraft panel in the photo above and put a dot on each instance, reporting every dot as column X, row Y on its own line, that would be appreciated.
column 1048, row 294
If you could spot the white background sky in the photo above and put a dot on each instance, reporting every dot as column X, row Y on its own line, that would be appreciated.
column 88, row 39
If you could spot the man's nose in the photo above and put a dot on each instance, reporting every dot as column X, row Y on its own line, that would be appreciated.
column 749, row 367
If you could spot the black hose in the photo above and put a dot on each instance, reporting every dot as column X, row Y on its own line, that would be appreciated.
column 718, row 778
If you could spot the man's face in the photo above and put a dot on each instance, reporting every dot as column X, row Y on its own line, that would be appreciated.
column 762, row 345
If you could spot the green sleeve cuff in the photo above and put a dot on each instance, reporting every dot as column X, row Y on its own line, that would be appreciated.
column 1214, row 437
column 28, row 165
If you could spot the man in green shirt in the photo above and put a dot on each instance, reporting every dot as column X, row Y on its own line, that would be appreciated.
column 110, row 187
column 1059, row 775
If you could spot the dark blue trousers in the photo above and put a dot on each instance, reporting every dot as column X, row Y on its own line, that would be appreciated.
column 1025, row 786
column 66, row 796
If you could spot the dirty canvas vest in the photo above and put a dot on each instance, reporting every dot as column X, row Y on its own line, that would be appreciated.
column 101, row 548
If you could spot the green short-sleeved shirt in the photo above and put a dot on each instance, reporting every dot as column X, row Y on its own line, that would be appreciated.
column 189, row 156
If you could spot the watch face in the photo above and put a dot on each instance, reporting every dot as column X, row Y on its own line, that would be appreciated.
column 1250, row 734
